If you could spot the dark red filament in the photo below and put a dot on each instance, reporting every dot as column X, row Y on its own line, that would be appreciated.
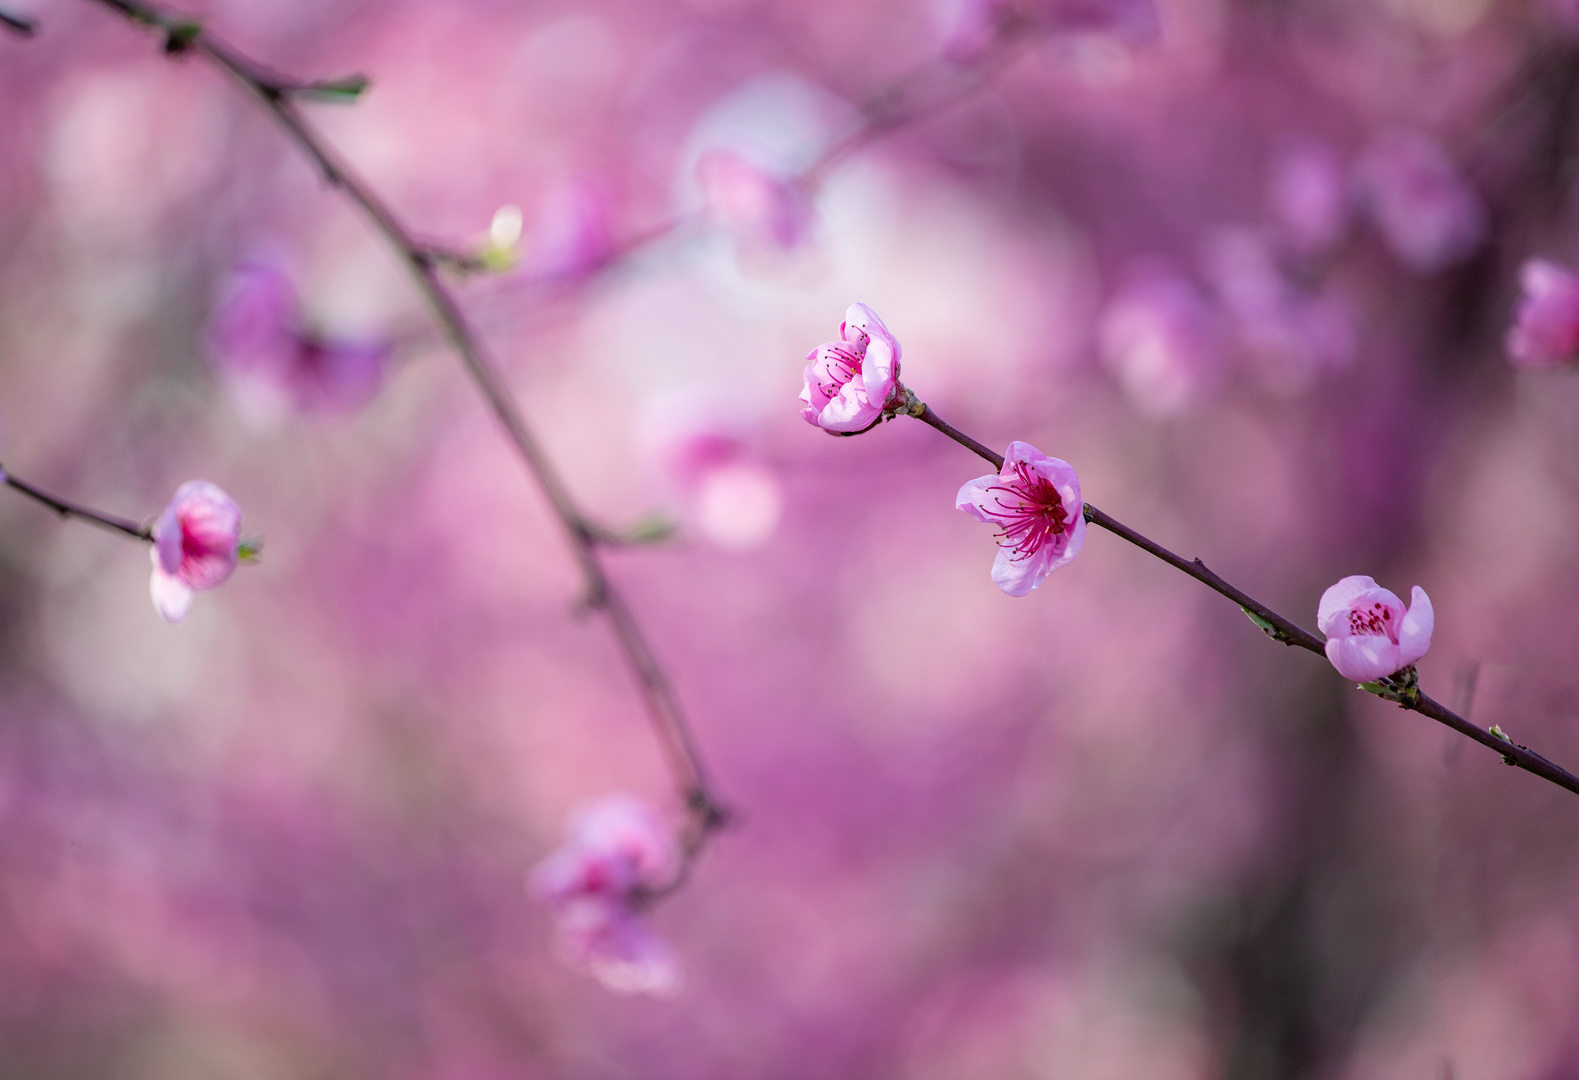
column 1378, row 620
column 1033, row 514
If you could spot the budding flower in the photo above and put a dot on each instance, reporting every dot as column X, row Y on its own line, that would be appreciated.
column 1369, row 633
column 761, row 206
column 617, row 853
column 852, row 381
column 1034, row 501
column 196, row 543
column 1545, row 332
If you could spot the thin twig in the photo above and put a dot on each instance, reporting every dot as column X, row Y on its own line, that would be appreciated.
column 65, row 509
column 669, row 721
column 18, row 24
column 1403, row 692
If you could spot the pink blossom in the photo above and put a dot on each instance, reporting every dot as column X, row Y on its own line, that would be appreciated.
column 195, row 546
column 1309, row 194
column 1369, row 634
column 1034, row 501
column 760, row 205
column 851, row 381
column 1161, row 337
column 573, row 232
column 616, row 854
column 257, row 338
column 1546, row 331
column 1425, row 209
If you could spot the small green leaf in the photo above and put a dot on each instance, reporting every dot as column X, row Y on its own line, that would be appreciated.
column 338, row 91
column 1266, row 628
column 180, row 35
column 250, row 550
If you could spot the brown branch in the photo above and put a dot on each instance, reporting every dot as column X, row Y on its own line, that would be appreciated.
column 1400, row 688
column 109, row 522
column 276, row 95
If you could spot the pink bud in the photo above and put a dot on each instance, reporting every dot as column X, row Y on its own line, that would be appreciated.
column 617, row 852
column 762, row 206
column 573, row 232
column 1426, row 210
column 1545, row 332
column 852, row 380
column 1309, row 194
column 1369, row 634
column 1034, row 501
column 195, row 544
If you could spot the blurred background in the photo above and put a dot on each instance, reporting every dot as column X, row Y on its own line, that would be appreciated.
column 1248, row 265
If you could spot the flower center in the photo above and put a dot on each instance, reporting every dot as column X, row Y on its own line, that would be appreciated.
column 1029, row 510
column 843, row 364
column 1377, row 619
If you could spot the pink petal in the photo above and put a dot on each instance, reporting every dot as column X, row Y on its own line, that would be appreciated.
column 172, row 597
column 974, row 497
column 1414, row 635
column 1016, row 574
column 849, row 411
column 878, row 371
column 1364, row 657
column 1335, row 602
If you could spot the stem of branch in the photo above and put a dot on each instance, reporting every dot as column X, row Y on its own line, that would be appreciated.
column 108, row 522
column 663, row 707
column 1283, row 629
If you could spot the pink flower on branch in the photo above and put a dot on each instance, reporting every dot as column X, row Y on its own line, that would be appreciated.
column 851, row 382
column 197, row 543
column 1369, row 633
column 617, row 855
column 1545, row 332
column 1034, row 501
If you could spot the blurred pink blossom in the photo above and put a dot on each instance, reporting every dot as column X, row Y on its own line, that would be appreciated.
column 573, row 232
column 761, row 206
column 1291, row 336
column 1545, row 332
column 1425, row 209
column 1161, row 337
column 728, row 494
column 195, row 546
column 1034, row 501
column 1369, row 634
column 851, row 381
column 617, row 852
column 970, row 27
column 256, row 337
column 1309, row 194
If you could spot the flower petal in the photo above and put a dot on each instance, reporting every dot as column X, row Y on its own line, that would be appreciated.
column 1334, row 606
column 1018, row 574
column 1364, row 657
column 172, row 597
column 1414, row 635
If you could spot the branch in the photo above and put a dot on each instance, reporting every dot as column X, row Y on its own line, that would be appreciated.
column 18, row 24
column 1405, row 691
column 277, row 96
column 108, row 522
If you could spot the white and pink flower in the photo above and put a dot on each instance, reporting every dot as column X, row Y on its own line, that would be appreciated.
column 1545, row 332
column 196, row 546
column 617, row 854
column 1370, row 635
column 1034, row 501
column 852, row 381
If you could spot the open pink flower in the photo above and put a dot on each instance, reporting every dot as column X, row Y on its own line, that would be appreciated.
column 852, row 380
column 196, row 541
column 1369, row 634
column 758, row 204
column 1545, row 333
column 1035, row 503
column 617, row 853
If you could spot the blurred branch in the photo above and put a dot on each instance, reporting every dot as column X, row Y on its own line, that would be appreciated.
column 18, row 24
column 1401, row 688
column 277, row 96
column 66, row 509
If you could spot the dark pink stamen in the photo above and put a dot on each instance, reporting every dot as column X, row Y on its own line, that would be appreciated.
column 1034, row 514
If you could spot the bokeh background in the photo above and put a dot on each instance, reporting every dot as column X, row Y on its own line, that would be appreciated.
column 1247, row 264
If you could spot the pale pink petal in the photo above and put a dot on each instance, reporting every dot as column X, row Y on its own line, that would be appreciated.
column 172, row 597
column 167, row 539
column 1334, row 606
column 849, row 411
column 1545, row 332
column 976, row 498
column 878, row 371
column 1364, row 657
column 1018, row 574
column 1414, row 636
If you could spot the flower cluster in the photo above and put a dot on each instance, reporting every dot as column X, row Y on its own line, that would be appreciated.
column 617, row 854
